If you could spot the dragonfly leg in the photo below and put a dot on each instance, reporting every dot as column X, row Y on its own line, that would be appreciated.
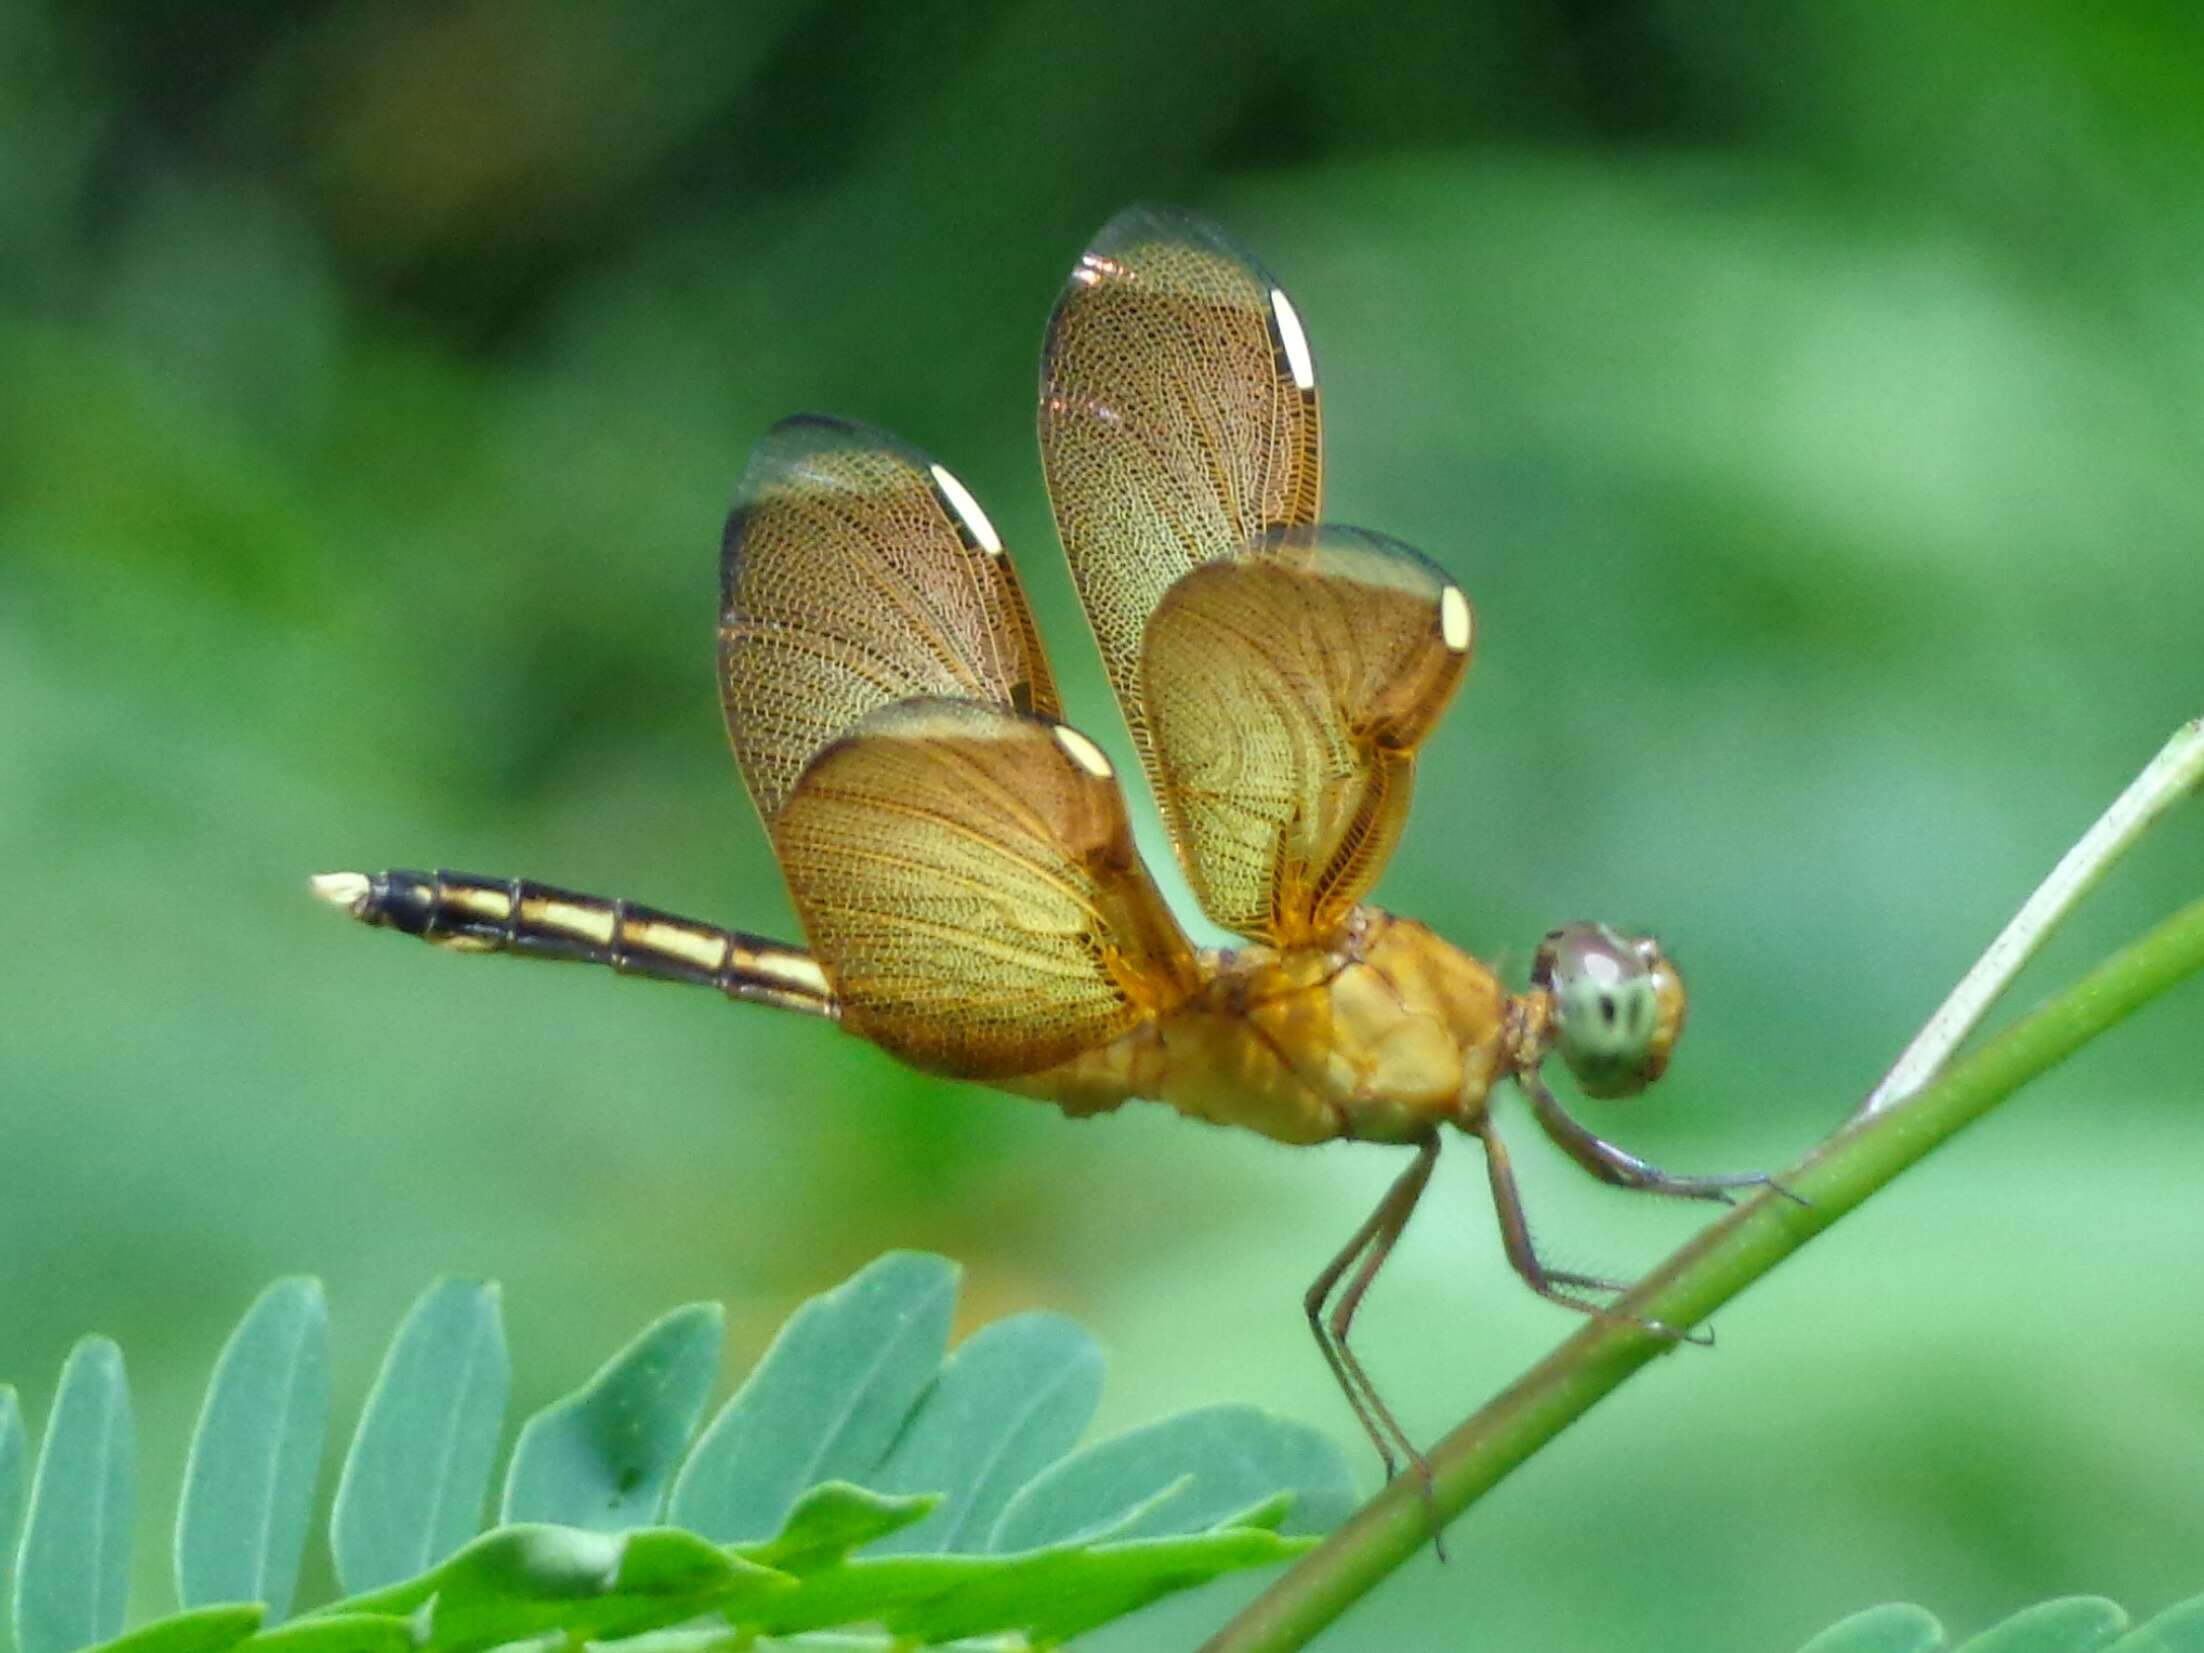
column 1555, row 1285
column 1623, row 1168
column 1365, row 1252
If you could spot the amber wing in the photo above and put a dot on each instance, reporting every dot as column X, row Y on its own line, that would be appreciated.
column 856, row 572
column 1178, row 422
column 967, row 877
column 1289, row 690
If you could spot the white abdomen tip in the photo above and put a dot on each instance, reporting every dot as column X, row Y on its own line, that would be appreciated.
column 340, row 889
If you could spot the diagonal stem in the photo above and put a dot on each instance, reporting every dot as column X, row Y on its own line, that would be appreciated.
column 1713, row 1267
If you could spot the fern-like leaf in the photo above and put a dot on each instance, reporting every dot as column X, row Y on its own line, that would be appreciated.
column 860, row 1477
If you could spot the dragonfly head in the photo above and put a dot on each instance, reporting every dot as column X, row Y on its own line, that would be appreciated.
column 1618, row 1005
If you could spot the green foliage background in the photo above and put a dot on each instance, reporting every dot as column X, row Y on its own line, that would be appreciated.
column 1808, row 396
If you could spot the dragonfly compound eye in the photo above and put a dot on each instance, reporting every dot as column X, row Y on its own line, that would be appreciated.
column 1618, row 1005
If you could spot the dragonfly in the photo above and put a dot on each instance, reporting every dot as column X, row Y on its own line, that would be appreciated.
column 961, row 859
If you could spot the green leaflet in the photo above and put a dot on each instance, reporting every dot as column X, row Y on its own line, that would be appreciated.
column 602, row 1457
column 1013, row 1399
column 522, row 1581
column 829, row 1522
column 249, row 1484
column 197, row 1630
column 1894, row 1627
column 73, row 1571
column 2076, row 1624
column 1180, row 1475
column 2179, row 1629
column 1058, row 1594
column 1047, row 1595
column 11, row 1508
column 335, row 1632
column 414, row 1479
column 825, row 1402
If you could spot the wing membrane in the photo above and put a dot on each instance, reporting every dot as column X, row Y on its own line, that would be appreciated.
column 856, row 571
column 967, row 880
column 1288, row 691
column 1178, row 422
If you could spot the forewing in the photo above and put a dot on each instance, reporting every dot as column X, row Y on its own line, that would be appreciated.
column 968, row 882
column 1289, row 689
column 856, row 572
column 1178, row 422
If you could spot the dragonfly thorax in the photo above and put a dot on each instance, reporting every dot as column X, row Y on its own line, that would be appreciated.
column 1379, row 1036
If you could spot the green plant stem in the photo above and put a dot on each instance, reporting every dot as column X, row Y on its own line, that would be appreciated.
column 1705, row 1273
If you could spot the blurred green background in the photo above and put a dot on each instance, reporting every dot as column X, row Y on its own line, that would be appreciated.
column 1809, row 397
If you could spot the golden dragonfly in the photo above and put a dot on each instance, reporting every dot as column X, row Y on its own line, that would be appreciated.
column 961, row 860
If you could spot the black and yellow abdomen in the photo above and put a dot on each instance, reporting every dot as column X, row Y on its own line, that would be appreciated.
column 517, row 915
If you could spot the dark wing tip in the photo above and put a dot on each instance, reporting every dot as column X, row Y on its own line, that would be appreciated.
column 1148, row 224
column 808, row 433
column 785, row 450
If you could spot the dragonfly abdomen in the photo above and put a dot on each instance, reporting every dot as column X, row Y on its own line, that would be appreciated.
column 517, row 915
